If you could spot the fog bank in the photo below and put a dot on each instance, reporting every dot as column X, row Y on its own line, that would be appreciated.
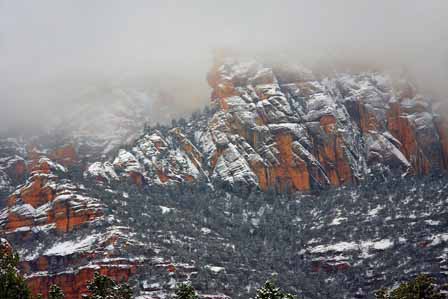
column 51, row 52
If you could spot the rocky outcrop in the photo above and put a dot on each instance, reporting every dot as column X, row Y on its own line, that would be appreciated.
column 74, row 284
column 45, row 202
column 344, row 123
column 102, row 173
column 71, row 263
column 284, row 128
column 153, row 159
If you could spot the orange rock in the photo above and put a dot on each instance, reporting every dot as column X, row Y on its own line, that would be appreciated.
column 260, row 171
column 330, row 153
column 401, row 128
column 222, row 88
column 75, row 284
column 292, row 171
column 67, row 218
column 36, row 193
column 219, row 56
column 328, row 122
column 367, row 121
column 16, row 221
column 249, row 134
column 162, row 176
column 342, row 165
column 186, row 145
column 214, row 159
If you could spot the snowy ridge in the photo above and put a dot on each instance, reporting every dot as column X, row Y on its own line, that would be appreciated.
column 299, row 132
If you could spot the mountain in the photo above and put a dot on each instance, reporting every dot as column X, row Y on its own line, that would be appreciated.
column 286, row 129
column 334, row 183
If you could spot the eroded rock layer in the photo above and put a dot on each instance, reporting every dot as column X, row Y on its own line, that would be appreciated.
column 284, row 128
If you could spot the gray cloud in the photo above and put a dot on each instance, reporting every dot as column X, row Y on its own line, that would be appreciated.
column 51, row 51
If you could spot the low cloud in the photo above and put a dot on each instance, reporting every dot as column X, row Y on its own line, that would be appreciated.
column 52, row 51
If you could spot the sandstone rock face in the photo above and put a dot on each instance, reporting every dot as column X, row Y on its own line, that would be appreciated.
column 70, row 263
column 48, row 203
column 285, row 129
column 45, row 205
column 74, row 284
column 332, row 131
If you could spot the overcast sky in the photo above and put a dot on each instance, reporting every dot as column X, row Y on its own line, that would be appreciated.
column 50, row 50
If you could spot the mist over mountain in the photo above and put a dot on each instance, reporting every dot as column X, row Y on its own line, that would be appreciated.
column 51, row 52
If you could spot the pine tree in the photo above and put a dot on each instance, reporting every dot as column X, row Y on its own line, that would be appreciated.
column 270, row 291
column 102, row 287
column 55, row 293
column 422, row 287
column 12, row 284
column 185, row 291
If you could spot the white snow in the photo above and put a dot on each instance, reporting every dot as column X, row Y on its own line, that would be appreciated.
column 432, row 222
column 374, row 212
column 206, row 231
column 232, row 167
column 104, row 170
column 438, row 239
column 353, row 246
column 127, row 161
column 215, row 269
column 70, row 247
column 338, row 220
column 165, row 209
column 338, row 247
